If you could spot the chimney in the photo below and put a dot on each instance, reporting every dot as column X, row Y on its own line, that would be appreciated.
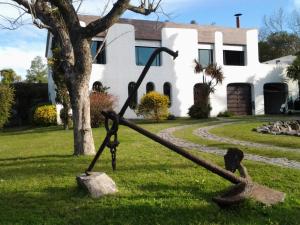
column 238, row 19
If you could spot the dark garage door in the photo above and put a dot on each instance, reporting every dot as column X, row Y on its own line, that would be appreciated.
column 274, row 96
column 239, row 98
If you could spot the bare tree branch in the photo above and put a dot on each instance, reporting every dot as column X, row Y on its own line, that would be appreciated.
column 68, row 13
column 107, row 21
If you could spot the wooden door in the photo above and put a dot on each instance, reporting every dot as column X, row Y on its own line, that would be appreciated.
column 239, row 99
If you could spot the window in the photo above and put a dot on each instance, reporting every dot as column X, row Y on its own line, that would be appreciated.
column 97, row 86
column 167, row 92
column 234, row 58
column 133, row 101
column 205, row 57
column 101, row 57
column 142, row 55
column 150, row 87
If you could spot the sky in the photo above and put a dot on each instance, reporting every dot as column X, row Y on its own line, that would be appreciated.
column 19, row 47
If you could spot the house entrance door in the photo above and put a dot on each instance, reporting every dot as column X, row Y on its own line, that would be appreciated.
column 239, row 98
column 275, row 95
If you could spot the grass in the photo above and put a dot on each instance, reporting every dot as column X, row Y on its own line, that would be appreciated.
column 243, row 131
column 236, row 131
column 156, row 186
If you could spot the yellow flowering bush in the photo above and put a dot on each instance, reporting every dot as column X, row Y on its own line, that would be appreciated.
column 45, row 115
column 154, row 106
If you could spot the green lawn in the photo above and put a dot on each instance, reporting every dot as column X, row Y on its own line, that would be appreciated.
column 242, row 131
column 156, row 186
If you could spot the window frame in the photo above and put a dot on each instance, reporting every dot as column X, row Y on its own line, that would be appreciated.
column 157, row 62
column 211, row 56
column 134, row 101
column 242, row 57
column 170, row 92
column 147, row 86
column 101, row 57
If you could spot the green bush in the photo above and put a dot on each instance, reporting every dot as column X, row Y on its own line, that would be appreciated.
column 199, row 111
column 226, row 113
column 66, row 118
column 154, row 106
column 100, row 101
column 45, row 115
column 6, row 102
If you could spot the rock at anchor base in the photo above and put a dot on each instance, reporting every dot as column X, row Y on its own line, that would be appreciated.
column 97, row 184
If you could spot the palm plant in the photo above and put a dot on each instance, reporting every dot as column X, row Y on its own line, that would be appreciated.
column 213, row 71
column 212, row 76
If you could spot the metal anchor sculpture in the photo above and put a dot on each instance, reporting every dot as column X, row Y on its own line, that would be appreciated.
column 243, row 188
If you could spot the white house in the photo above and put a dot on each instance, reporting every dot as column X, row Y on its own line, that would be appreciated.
column 249, row 87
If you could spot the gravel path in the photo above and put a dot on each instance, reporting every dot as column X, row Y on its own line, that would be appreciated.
column 203, row 132
column 167, row 134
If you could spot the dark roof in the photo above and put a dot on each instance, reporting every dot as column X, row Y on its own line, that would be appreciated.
column 151, row 30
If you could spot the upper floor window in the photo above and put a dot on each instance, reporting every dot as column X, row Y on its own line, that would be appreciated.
column 150, row 87
column 205, row 57
column 142, row 55
column 234, row 58
column 101, row 57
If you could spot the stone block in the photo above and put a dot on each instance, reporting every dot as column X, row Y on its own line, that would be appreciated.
column 97, row 184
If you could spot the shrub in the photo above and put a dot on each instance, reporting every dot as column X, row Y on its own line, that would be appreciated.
column 171, row 117
column 45, row 115
column 225, row 114
column 154, row 106
column 199, row 111
column 66, row 118
column 27, row 98
column 100, row 101
column 6, row 102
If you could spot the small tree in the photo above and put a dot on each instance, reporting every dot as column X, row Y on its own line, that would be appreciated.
column 9, row 76
column 37, row 72
column 6, row 102
column 293, row 71
column 154, row 106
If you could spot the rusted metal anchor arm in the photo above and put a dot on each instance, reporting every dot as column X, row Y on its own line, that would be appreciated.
column 209, row 166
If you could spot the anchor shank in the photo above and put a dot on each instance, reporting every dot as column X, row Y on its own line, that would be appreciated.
column 144, row 73
column 209, row 166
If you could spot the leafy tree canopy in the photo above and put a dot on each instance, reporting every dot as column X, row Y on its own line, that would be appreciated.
column 279, row 35
column 9, row 76
column 279, row 44
column 293, row 71
column 37, row 72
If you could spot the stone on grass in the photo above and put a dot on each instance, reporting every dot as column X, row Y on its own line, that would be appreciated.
column 97, row 184
column 281, row 127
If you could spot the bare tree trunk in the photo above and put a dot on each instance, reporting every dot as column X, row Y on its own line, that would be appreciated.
column 83, row 136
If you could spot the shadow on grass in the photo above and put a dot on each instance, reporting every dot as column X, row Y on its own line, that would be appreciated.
column 29, row 130
column 36, row 157
column 156, row 205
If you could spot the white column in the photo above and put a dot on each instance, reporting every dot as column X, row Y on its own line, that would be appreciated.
column 218, row 53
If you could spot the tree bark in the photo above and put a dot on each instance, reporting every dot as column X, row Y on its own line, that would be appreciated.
column 83, row 136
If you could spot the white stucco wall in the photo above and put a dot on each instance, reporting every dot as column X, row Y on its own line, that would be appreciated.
column 121, row 68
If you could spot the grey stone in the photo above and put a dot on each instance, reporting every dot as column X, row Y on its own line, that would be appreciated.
column 97, row 184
